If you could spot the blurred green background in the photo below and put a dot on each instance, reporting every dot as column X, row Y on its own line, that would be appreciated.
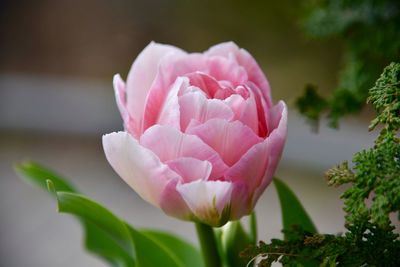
column 57, row 59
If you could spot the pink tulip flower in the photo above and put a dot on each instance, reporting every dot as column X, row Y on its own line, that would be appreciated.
column 202, row 137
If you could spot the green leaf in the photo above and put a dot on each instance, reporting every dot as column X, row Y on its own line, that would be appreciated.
column 94, row 213
column 101, row 244
column 184, row 251
column 97, row 241
column 148, row 251
column 155, row 248
column 109, row 237
column 293, row 212
column 234, row 241
column 38, row 175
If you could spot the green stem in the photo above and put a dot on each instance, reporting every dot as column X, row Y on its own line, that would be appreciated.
column 253, row 227
column 208, row 245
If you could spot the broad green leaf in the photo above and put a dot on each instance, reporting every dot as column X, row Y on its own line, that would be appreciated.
column 101, row 244
column 94, row 213
column 97, row 241
column 234, row 241
column 184, row 251
column 109, row 237
column 293, row 212
column 38, row 175
column 147, row 251
column 152, row 253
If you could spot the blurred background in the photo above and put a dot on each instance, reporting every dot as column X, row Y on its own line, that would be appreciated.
column 57, row 60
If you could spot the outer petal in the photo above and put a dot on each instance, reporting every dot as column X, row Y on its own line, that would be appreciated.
column 170, row 144
column 245, row 59
column 190, row 169
column 142, row 75
column 276, row 142
column 241, row 203
column 120, row 95
column 230, row 139
column 258, row 165
column 139, row 167
column 172, row 203
column 208, row 200
column 196, row 106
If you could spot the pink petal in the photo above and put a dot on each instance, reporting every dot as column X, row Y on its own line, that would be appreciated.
column 172, row 203
column 230, row 139
column 247, row 111
column 245, row 59
column 142, row 75
column 190, row 169
column 196, row 106
column 170, row 112
column 251, row 168
column 205, row 82
column 208, row 200
column 258, row 165
column 250, row 115
column 241, row 203
column 139, row 167
column 120, row 94
column 171, row 67
column 275, row 115
column 226, row 69
column 276, row 142
column 169, row 143
column 237, row 104
column 224, row 93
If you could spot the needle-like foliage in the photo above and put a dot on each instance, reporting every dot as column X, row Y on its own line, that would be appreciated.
column 369, row 32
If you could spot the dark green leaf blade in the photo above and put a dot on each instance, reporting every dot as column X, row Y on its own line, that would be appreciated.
column 293, row 212
column 146, row 251
column 96, row 214
column 184, row 251
column 97, row 241
column 151, row 253
column 38, row 175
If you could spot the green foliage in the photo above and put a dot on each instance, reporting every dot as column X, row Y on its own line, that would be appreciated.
column 234, row 240
column 311, row 104
column 106, row 235
column 372, row 194
column 38, row 175
column 293, row 212
column 385, row 96
column 184, row 251
column 376, row 172
column 370, row 34
column 363, row 245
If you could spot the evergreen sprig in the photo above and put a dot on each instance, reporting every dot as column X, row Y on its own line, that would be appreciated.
column 373, row 193
column 370, row 34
